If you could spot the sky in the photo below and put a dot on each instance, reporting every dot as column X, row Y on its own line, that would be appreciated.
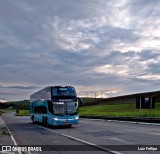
column 108, row 47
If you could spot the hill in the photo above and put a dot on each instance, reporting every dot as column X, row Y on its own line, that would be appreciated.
column 24, row 104
column 91, row 101
column 122, row 99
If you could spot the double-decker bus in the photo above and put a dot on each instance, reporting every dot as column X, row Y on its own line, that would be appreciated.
column 55, row 105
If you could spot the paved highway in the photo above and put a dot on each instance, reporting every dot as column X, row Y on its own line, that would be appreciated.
column 96, row 134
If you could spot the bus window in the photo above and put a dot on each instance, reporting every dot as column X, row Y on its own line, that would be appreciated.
column 50, row 107
column 40, row 109
column 43, row 110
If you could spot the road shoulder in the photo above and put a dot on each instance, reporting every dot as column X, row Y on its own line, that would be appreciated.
column 5, row 134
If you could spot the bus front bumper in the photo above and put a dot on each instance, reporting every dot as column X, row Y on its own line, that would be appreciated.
column 57, row 122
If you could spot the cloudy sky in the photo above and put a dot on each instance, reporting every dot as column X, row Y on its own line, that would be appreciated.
column 93, row 45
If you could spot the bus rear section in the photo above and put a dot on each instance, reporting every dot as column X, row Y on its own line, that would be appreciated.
column 55, row 106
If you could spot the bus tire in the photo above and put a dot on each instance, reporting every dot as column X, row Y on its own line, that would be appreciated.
column 46, row 122
column 33, row 120
column 43, row 122
column 69, row 126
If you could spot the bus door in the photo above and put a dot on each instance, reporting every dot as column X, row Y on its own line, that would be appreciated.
column 40, row 111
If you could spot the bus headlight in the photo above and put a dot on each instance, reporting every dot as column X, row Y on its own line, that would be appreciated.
column 55, row 119
column 77, row 117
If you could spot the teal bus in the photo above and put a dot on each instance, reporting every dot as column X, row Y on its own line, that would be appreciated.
column 55, row 105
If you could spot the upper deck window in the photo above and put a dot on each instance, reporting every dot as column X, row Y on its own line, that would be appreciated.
column 63, row 91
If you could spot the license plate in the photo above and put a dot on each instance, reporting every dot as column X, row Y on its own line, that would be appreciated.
column 67, row 123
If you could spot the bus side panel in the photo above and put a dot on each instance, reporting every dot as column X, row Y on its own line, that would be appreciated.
column 39, row 110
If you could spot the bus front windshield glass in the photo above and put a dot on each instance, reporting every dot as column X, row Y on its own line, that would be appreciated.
column 67, row 108
column 63, row 92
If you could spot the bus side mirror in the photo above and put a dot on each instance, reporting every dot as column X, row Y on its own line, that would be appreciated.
column 79, row 102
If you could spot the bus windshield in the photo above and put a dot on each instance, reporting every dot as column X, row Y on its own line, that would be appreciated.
column 64, row 108
column 63, row 91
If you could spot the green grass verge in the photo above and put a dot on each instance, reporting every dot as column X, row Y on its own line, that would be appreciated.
column 112, row 110
column 119, row 110
column 23, row 113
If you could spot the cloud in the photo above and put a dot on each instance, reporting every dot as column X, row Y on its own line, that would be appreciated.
column 19, row 87
column 132, row 65
column 121, row 70
column 97, row 44
column 17, row 92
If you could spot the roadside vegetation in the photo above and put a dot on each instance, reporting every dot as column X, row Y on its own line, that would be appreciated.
column 22, row 113
column 13, row 106
column 4, row 132
column 22, row 105
column 87, row 100
column 119, row 110
column 2, row 111
column 112, row 110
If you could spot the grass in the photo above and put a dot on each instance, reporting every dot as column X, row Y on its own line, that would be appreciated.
column 23, row 105
column 119, row 110
column 23, row 113
column 111, row 110
column 4, row 132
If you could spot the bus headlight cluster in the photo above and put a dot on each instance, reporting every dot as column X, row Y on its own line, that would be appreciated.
column 77, row 117
column 55, row 119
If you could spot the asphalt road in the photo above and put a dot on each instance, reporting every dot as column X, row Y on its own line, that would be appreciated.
column 90, row 135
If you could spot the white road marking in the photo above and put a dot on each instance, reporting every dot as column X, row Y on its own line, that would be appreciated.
column 85, row 142
column 142, row 123
column 128, row 130
column 155, row 133
column 121, row 121
column 14, row 141
column 118, row 139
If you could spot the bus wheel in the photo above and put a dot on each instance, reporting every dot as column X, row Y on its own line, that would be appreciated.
column 46, row 122
column 43, row 121
column 69, row 126
column 33, row 120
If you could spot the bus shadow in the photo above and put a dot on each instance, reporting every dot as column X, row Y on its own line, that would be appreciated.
column 54, row 127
